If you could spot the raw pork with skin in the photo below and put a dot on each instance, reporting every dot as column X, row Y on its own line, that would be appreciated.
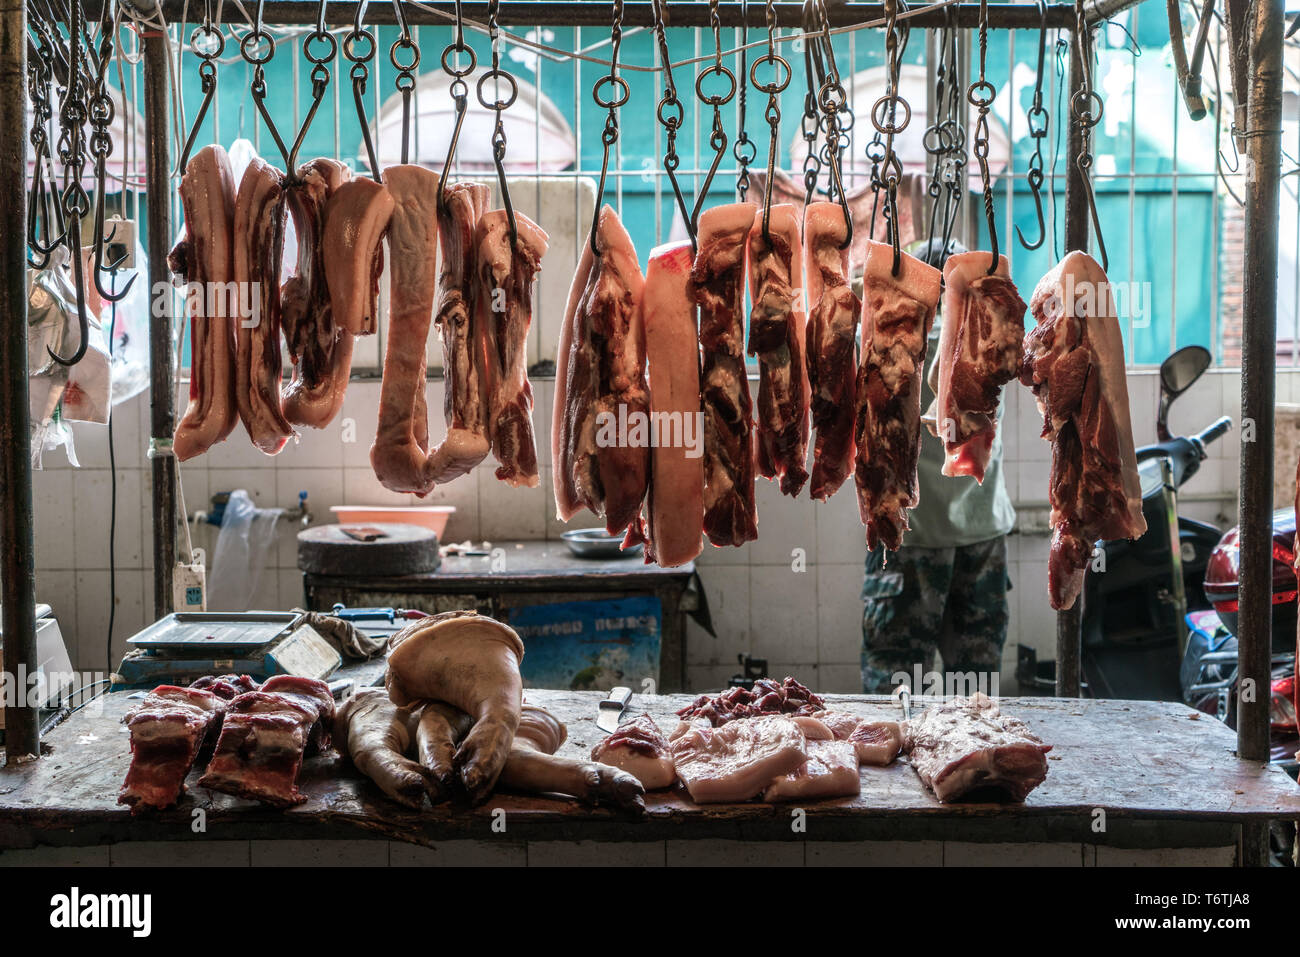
column 877, row 742
column 832, row 346
column 777, row 328
column 966, row 747
column 830, row 771
column 259, row 246
column 675, row 499
column 639, row 748
column 504, row 302
column 841, row 723
column 352, row 248
column 979, row 352
column 320, row 350
column 168, row 730
column 718, row 288
column 205, row 256
column 738, row 760
column 600, row 381
column 897, row 312
column 1074, row 363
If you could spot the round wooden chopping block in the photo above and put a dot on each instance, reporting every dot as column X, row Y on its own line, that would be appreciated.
column 400, row 550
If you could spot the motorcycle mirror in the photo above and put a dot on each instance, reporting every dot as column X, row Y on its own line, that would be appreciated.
column 1177, row 374
column 1184, row 367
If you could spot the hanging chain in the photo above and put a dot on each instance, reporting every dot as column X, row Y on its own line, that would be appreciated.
column 936, row 140
column 258, row 47
column 102, row 112
column 884, row 117
column 717, row 136
column 459, row 91
column 498, row 105
column 980, row 95
column 320, row 75
column 1087, row 107
column 955, row 168
column 812, row 164
column 832, row 100
column 207, row 42
column 404, row 54
column 780, row 79
column 671, row 114
column 745, row 150
column 359, row 49
column 40, row 74
column 618, row 95
column 1037, row 119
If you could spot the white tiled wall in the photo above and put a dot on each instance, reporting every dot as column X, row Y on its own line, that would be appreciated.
column 805, row 622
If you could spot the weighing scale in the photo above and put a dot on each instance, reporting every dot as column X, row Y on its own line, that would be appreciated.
column 188, row 645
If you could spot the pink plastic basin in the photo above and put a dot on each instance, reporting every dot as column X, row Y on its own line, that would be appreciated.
column 427, row 516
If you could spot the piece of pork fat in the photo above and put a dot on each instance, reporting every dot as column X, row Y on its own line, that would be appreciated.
column 464, row 349
column 259, row 247
column 979, row 352
column 639, row 748
column 897, row 312
column 718, row 288
column 777, row 328
column 675, row 500
column 832, row 346
column 352, row 248
column 738, row 760
column 168, row 730
column 600, row 383
column 205, row 256
column 965, row 748
column 877, row 742
column 831, row 770
column 1074, row 363
column 504, row 303
column 320, row 350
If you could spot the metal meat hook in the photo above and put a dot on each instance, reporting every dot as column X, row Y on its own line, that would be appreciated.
column 1037, row 133
column 459, row 94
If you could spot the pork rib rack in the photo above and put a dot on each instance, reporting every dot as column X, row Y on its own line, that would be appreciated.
column 168, row 730
column 204, row 256
column 1074, row 363
column 718, row 288
column 897, row 312
column 979, row 352
column 777, row 324
column 600, row 381
column 832, row 346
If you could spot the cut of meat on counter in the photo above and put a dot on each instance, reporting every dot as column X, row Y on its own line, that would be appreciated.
column 830, row 771
column 718, row 288
column 979, row 352
column 739, row 760
column 259, row 227
column 966, row 749
column 205, row 256
column 507, row 266
column 877, row 743
column 766, row 697
column 168, row 730
column 265, row 736
column 777, row 324
column 675, row 500
column 600, row 381
column 897, row 312
column 320, row 351
column 352, row 249
column 228, row 687
column 832, row 345
column 1074, row 363
column 639, row 748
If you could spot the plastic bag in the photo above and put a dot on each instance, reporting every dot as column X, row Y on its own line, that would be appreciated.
column 243, row 544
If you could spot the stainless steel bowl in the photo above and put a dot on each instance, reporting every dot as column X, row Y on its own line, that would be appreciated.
column 598, row 543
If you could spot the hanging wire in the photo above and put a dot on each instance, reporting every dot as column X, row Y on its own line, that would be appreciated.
column 404, row 54
column 935, row 140
column 671, row 114
column 619, row 93
column 257, row 48
column 884, row 116
column 320, row 75
column 359, row 49
column 980, row 95
column 1037, row 119
column 812, row 164
column 1086, row 107
column 496, row 75
column 745, row 149
column 207, row 42
column 779, row 80
column 459, row 91
column 718, row 135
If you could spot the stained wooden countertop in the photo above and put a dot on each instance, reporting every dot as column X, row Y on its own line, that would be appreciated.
column 1152, row 763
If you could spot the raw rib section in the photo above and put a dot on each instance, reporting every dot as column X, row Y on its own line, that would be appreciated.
column 718, row 288
column 897, row 312
column 205, row 256
column 1074, row 363
column 168, row 730
column 832, row 346
column 966, row 748
column 675, row 501
column 979, row 352
column 777, row 329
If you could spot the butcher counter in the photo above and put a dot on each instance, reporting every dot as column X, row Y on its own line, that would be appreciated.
column 1128, row 782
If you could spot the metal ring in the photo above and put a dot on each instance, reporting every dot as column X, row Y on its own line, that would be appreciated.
column 326, row 38
column 350, row 45
column 974, row 97
column 248, row 50
column 878, row 116
column 459, row 71
column 497, row 104
column 616, row 81
column 208, row 35
column 403, row 44
column 1087, row 97
column 671, row 121
column 770, row 88
column 716, row 99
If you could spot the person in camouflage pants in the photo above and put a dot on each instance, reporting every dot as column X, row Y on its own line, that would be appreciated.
column 925, row 600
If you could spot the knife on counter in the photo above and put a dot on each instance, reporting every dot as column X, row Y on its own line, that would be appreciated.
column 611, row 709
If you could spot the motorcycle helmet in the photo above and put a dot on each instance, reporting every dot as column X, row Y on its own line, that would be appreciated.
column 1222, row 577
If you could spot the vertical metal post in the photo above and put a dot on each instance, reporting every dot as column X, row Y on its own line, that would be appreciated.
column 1069, row 622
column 1258, row 360
column 162, row 372
column 17, row 549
